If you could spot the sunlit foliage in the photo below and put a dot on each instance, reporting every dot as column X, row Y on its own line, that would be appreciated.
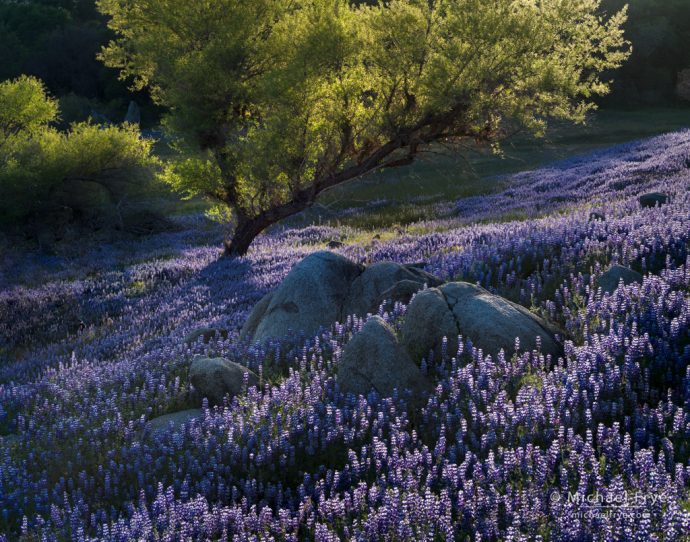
column 38, row 162
column 287, row 99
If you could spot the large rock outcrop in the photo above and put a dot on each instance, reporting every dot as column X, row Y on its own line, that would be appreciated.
column 458, row 308
column 325, row 288
column 310, row 296
column 374, row 359
column 365, row 294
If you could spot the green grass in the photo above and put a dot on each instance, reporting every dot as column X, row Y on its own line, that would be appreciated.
column 446, row 175
column 443, row 175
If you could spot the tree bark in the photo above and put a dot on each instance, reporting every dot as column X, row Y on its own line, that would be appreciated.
column 248, row 228
column 245, row 232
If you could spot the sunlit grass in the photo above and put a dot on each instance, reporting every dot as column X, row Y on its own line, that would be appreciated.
column 410, row 193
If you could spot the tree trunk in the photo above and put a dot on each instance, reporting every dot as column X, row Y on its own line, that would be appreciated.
column 249, row 227
column 245, row 232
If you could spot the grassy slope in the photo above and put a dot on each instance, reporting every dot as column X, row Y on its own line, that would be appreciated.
column 404, row 194
column 401, row 196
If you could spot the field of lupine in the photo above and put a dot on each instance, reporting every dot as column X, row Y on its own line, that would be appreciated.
column 594, row 445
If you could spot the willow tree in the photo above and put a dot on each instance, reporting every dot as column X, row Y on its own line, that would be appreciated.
column 277, row 101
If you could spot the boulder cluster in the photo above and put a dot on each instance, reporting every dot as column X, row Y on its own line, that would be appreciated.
column 325, row 288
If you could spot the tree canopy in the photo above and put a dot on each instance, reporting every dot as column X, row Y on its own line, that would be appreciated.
column 279, row 100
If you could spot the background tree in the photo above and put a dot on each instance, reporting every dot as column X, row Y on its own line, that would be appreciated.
column 280, row 100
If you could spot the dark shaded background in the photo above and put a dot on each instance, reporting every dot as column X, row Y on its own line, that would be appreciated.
column 57, row 40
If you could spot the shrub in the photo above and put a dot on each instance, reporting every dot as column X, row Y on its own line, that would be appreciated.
column 24, row 108
column 87, row 169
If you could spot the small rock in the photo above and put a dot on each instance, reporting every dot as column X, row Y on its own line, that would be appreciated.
column 610, row 280
column 173, row 421
column 133, row 115
column 374, row 359
column 653, row 199
column 207, row 333
column 213, row 378
column 376, row 237
column 335, row 244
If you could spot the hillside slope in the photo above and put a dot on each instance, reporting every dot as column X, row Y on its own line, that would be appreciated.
column 500, row 451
